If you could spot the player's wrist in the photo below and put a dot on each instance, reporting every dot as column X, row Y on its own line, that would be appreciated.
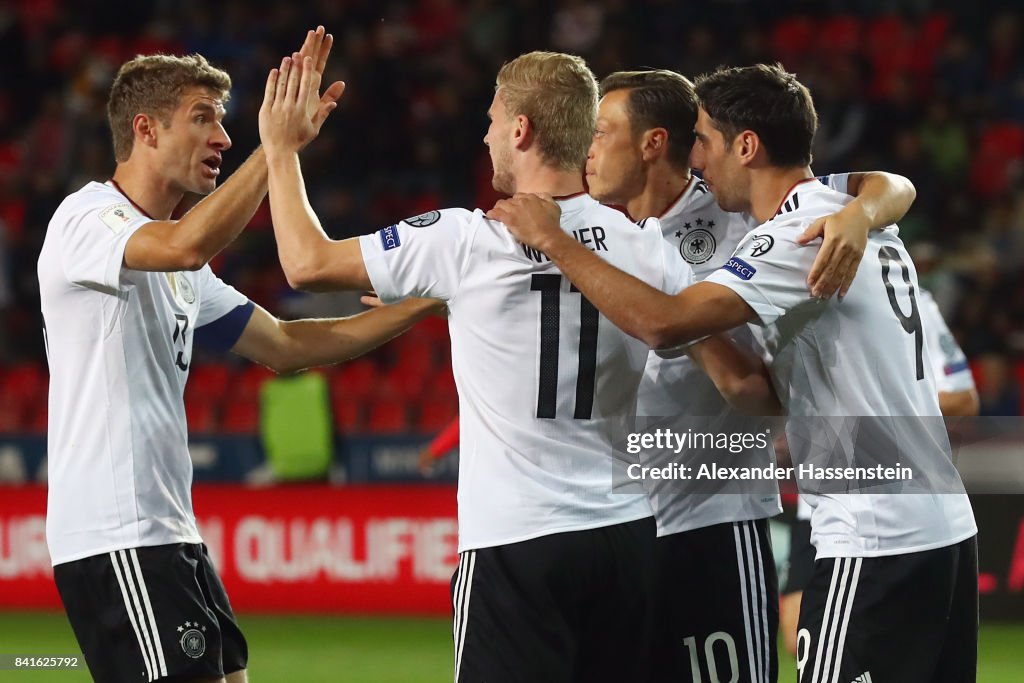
column 279, row 155
column 858, row 214
column 554, row 242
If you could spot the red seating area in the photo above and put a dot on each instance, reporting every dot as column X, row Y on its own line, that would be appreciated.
column 891, row 44
column 405, row 386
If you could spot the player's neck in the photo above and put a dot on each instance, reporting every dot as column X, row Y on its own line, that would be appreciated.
column 664, row 187
column 543, row 179
column 770, row 185
column 147, row 189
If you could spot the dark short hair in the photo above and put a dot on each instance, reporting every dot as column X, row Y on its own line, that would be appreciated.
column 767, row 100
column 659, row 99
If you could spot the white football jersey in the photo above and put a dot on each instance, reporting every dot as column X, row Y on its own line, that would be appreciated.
column 118, row 345
column 839, row 366
column 949, row 364
column 675, row 393
column 547, row 386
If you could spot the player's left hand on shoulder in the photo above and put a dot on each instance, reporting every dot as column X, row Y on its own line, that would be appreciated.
column 529, row 217
column 844, row 238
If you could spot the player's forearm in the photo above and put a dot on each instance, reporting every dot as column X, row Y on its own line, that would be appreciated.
column 883, row 198
column 310, row 343
column 301, row 241
column 959, row 403
column 738, row 374
column 219, row 218
column 632, row 305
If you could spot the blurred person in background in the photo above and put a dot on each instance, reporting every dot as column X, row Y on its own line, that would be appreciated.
column 124, row 291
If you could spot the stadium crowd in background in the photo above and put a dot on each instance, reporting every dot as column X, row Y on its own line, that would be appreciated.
column 928, row 89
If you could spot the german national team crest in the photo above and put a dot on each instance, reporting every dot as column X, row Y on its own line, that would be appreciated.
column 761, row 245
column 698, row 246
column 424, row 219
column 193, row 641
column 188, row 295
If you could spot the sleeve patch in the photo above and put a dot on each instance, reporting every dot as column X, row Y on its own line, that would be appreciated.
column 740, row 268
column 424, row 219
column 389, row 238
column 954, row 368
column 118, row 216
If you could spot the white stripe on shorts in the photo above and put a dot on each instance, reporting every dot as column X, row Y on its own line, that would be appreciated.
column 147, row 653
column 462, row 595
column 744, row 588
column 144, row 591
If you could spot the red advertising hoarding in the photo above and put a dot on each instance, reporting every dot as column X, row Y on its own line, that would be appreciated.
column 370, row 549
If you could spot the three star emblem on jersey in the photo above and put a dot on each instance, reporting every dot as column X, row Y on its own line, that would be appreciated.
column 424, row 219
column 193, row 641
column 762, row 244
column 698, row 246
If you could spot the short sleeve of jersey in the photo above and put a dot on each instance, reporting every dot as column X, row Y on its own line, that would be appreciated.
column 423, row 256
column 949, row 364
column 769, row 271
column 94, row 240
column 217, row 298
column 840, row 182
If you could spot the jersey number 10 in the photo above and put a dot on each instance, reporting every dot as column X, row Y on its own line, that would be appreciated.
column 550, row 288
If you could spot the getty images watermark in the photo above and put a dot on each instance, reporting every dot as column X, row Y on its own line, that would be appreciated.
column 670, row 441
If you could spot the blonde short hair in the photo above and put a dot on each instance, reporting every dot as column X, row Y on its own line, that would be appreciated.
column 153, row 84
column 558, row 94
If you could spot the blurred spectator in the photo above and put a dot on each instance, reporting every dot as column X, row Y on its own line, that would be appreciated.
column 998, row 391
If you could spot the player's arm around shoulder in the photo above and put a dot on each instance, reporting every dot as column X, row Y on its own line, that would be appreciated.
column 658, row 318
column 879, row 200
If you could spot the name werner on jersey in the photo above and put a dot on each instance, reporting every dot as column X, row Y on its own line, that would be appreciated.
column 592, row 238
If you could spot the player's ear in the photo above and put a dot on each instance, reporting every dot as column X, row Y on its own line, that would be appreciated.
column 522, row 131
column 653, row 143
column 145, row 128
column 747, row 144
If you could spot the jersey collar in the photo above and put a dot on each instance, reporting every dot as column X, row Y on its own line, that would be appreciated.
column 786, row 203
column 683, row 199
column 131, row 201
column 572, row 202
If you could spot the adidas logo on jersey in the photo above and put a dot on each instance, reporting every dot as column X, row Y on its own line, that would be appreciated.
column 863, row 678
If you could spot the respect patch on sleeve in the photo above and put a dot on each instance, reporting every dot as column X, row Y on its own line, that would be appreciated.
column 740, row 268
column 389, row 237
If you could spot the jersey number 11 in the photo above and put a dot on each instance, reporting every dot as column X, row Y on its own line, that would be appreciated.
column 550, row 288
